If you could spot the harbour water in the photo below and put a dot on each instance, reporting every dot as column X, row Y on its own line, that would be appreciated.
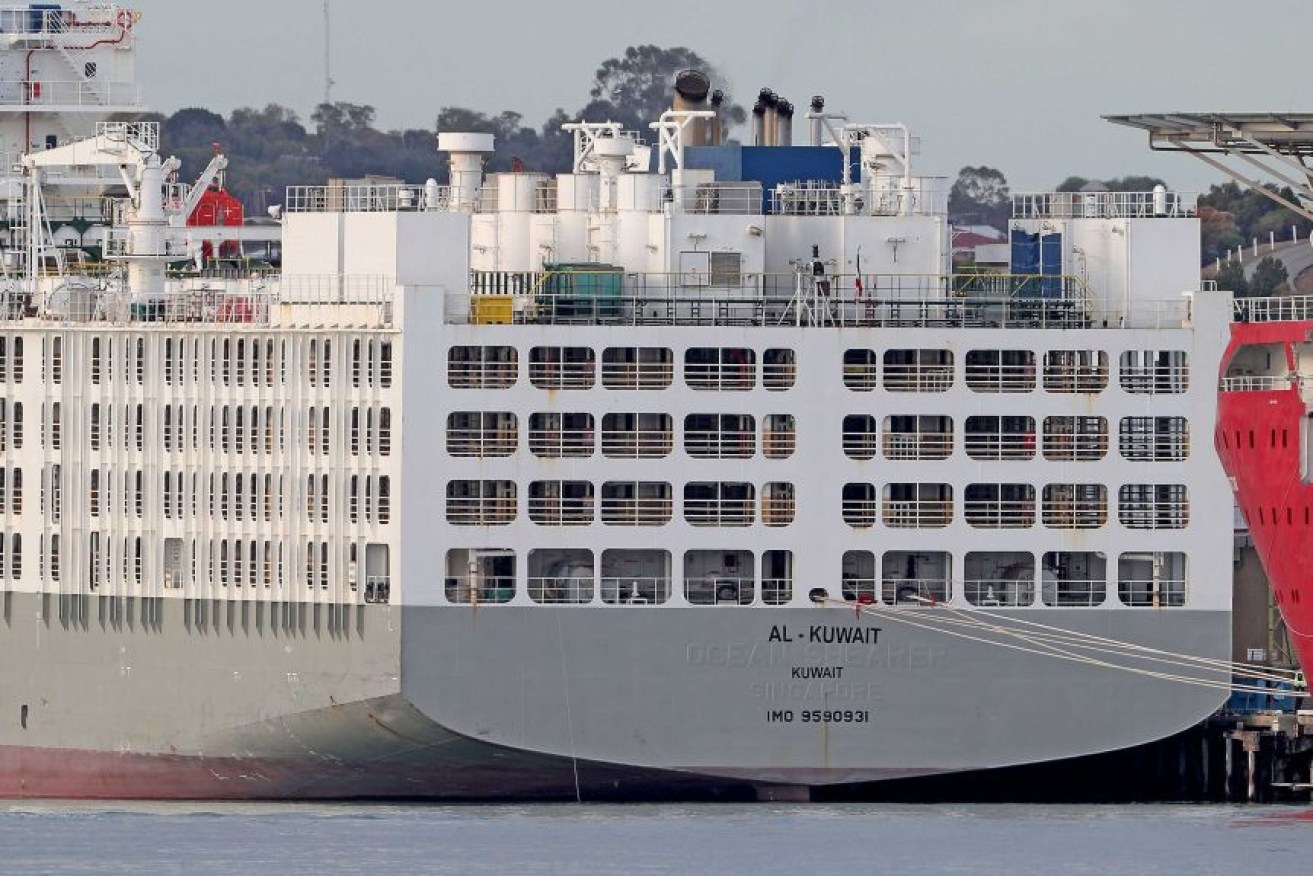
column 59, row 838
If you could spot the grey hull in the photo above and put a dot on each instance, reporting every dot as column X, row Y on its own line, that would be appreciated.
column 542, row 702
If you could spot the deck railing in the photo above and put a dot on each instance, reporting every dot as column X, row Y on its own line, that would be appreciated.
column 1103, row 205
column 1285, row 308
column 1256, row 383
column 744, row 299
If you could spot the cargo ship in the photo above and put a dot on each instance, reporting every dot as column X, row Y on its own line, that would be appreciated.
column 694, row 470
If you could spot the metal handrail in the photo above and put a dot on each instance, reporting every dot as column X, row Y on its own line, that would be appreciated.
column 1075, row 446
column 917, row 445
column 915, row 592
column 1283, row 308
column 637, row 443
column 482, row 443
column 938, row 301
column 561, row 443
column 720, row 443
column 1257, row 383
column 480, row 511
column 561, row 511
column 366, row 198
column 641, row 511
column 567, row 590
column 637, row 375
column 1150, row 593
column 999, row 445
column 1154, row 379
column 482, row 375
column 999, row 593
column 26, row 94
column 1000, row 378
column 917, row 513
column 719, row 590
column 918, row 378
column 567, row 375
column 778, row 443
column 1074, row 592
column 1103, row 205
column 720, row 512
column 484, row 589
column 635, row 590
column 999, row 513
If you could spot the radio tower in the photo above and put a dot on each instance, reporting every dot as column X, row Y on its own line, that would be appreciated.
column 328, row 53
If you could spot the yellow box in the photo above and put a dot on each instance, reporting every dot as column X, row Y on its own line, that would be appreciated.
column 491, row 309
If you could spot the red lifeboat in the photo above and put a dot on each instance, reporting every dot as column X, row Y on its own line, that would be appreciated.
column 217, row 207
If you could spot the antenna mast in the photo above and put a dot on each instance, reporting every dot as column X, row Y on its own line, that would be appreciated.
column 328, row 53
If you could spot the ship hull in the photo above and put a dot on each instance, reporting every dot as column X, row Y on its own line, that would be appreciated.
column 501, row 702
column 1260, row 436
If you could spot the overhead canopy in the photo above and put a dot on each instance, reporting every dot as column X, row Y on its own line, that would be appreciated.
column 1287, row 133
column 1279, row 145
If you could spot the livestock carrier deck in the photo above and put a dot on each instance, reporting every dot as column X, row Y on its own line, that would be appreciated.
column 691, row 470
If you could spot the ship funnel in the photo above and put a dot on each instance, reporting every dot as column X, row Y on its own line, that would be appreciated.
column 817, row 120
column 769, row 102
column 718, row 123
column 759, row 124
column 691, row 90
column 784, row 126
column 466, row 153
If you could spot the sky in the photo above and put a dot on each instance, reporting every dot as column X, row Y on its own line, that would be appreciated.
column 1015, row 84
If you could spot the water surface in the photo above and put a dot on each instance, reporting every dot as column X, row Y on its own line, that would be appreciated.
column 814, row 840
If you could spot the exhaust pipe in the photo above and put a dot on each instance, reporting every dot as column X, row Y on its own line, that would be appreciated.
column 759, row 124
column 718, row 123
column 691, row 90
column 817, row 123
column 784, row 132
column 770, row 122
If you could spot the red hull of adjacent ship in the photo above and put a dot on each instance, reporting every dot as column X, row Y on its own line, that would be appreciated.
column 1260, row 439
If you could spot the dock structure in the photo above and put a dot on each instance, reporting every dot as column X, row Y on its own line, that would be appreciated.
column 1265, row 756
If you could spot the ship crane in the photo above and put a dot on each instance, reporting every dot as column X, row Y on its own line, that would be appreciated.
column 212, row 174
column 131, row 150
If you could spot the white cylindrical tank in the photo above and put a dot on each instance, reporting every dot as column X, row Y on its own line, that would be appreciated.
column 517, row 192
column 576, row 191
column 146, row 233
column 513, row 241
column 466, row 153
column 640, row 192
column 611, row 153
column 1160, row 200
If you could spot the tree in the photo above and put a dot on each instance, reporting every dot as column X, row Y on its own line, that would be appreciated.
column 980, row 196
column 1269, row 278
column 342, row 119
column 1134, row 183
column 1118, row 184
column 635, row 88
column 193, row 127
column 1231, row 278
column 1219, row 234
